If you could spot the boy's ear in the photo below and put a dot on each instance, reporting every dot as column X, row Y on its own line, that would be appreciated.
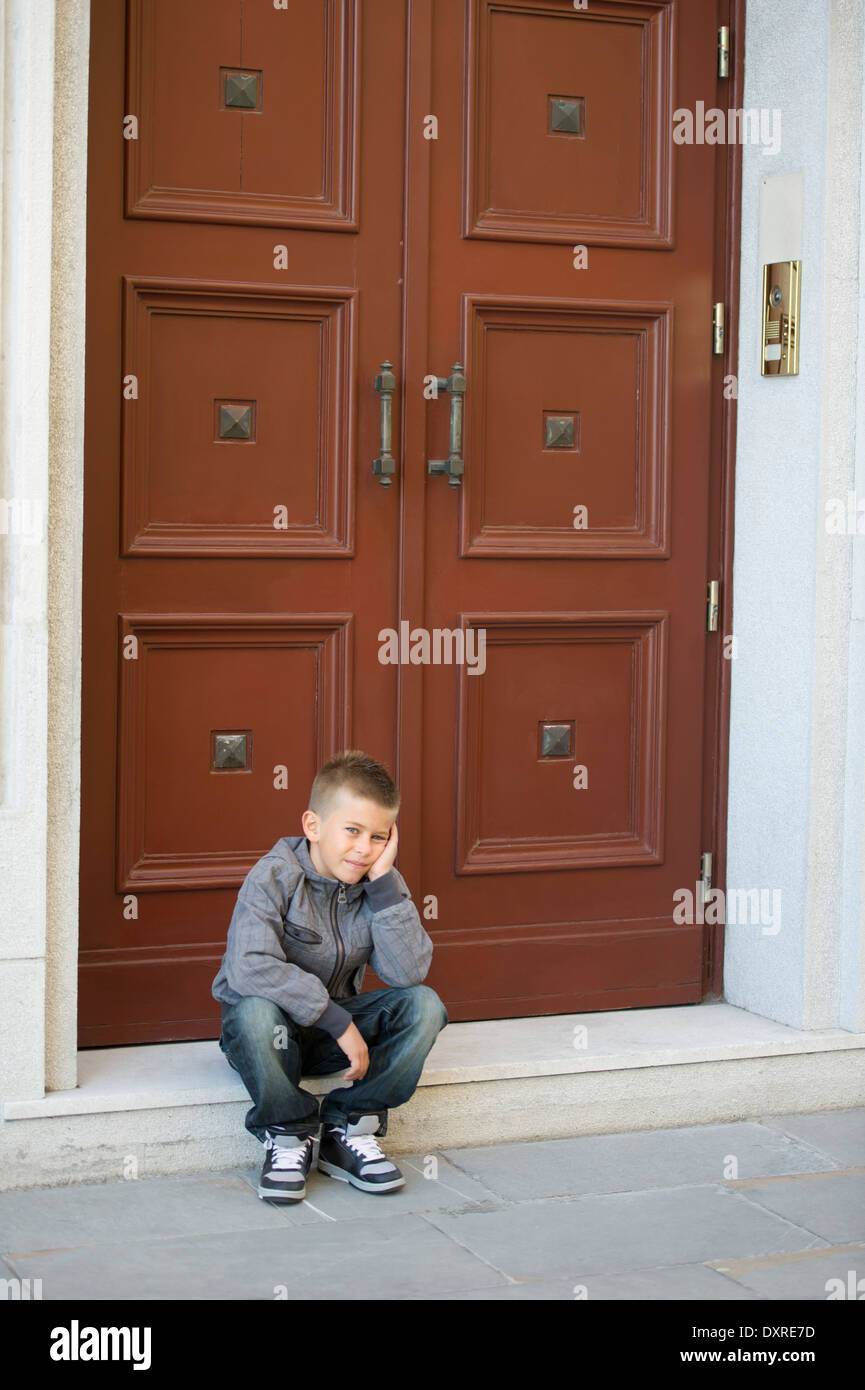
column 310, row 822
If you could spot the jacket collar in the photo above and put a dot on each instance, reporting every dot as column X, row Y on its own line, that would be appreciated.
column 298, row 845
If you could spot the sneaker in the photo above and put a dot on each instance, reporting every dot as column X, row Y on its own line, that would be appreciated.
column 287, row 1160
column 351, row 1153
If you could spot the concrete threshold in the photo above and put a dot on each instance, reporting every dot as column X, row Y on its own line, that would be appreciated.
column 179, row 1107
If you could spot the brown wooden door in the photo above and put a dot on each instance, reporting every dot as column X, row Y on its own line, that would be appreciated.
column 276, row 227
column 563, row 786
column 233, row 526
column 570, row 811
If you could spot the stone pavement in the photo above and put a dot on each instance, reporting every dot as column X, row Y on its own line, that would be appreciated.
column 758, row 1210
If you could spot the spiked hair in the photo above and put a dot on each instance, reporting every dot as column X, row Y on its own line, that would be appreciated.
column 353, row 771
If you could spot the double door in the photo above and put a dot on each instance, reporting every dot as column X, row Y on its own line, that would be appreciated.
column 467, row 219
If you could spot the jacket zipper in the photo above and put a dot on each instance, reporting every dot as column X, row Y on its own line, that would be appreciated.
column 340, row 944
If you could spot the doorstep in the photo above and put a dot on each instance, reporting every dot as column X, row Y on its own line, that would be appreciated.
column 179, row 1107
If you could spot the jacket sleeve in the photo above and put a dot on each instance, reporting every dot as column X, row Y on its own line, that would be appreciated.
column 255, row 962
column 402, row 950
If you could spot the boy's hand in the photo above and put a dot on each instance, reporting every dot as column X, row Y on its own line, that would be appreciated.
column 384, row 863
column 355, row 1049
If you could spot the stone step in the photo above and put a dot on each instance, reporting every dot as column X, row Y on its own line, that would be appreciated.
column 179, row 1107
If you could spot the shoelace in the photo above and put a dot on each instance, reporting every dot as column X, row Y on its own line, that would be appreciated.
column 367, row 1146
column 284, row 1157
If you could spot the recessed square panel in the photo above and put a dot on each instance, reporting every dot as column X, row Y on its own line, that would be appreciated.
column 611, row 670
column 247, row 112
column 570, row 122
column 577, row 461
column 212, row 361
column 195, row 808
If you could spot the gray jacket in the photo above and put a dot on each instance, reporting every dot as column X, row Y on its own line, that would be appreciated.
column 304, row 940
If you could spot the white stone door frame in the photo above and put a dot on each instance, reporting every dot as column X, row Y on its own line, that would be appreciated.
column 44, row 63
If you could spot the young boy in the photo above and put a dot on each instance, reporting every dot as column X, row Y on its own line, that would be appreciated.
column 309, row 916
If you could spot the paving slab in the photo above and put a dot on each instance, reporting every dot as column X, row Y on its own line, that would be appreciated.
column 636, row 1160
column 806, row 1275
column 404, row 1257
column 839, row 1134
column 618, row 1232
column 97, row 1213
column 830, row 1207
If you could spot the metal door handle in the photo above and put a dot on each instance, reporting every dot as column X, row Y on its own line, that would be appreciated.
column 385, row 466
column 453, row 465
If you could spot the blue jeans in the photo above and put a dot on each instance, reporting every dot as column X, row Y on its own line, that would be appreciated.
column 271, row 1052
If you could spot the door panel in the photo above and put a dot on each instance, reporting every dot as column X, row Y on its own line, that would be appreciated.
column 530, row 447
column 568, row 120
column 237, row 385
column 244, row 115
column 569, row 811
column 240, row 556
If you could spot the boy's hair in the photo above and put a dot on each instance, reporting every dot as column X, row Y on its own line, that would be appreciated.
column 352, row 771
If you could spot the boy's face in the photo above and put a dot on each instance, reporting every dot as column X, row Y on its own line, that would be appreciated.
column 350, row 840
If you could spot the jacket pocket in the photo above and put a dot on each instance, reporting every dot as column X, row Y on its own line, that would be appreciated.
column 299, row 931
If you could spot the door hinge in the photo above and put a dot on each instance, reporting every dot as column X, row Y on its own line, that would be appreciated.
column 712, row 605
column 718, row 329
column 724, row 51
column 705, row 872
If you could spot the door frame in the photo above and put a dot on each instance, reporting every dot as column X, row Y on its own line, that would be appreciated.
column 414, row 367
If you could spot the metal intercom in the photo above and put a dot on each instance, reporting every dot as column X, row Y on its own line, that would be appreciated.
column 782, row 289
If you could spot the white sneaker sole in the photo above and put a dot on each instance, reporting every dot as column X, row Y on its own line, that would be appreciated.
column 334, row 1172
column 268, row 1194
